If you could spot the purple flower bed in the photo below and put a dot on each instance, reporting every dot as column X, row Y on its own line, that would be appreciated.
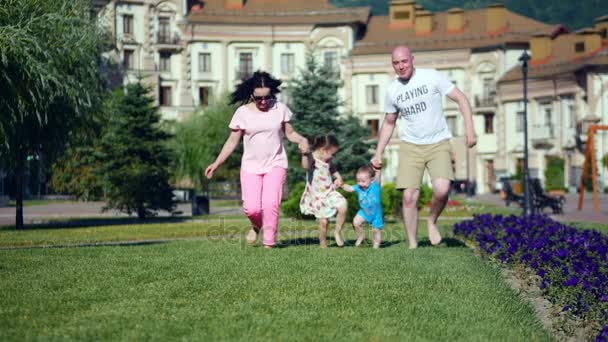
column 570, row 263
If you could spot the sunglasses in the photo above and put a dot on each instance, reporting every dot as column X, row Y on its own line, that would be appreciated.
column 262, row 98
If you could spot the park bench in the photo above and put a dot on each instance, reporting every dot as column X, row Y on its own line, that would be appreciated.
column 509, row 195
column 542, row 200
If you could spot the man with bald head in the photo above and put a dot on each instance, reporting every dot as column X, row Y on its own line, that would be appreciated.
column 415, row 101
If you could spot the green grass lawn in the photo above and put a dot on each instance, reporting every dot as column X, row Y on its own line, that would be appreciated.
column 29, row 203
column 589, row 225
column 222, row 289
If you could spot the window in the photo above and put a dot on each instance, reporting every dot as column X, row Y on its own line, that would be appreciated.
column 549, row 120
column 488, row 123
column 579, row 47
column 401, row 15
column 287, row 63
column 127, row 22
column 487, row 88
column 519, row 122
column 572, row 114
column 373, row 125
column 127, row 59
column 165, row 96
column 451, row 121
column 604, row 33
column 204, row 96
column 245, row 65
column 330, row 59
column 204, row 62
column 165, row 61
column 371, row 94
column 164, row 32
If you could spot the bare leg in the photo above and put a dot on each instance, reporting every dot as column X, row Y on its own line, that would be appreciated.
column 323, row 232
column 441, row 189
column 410, row 215
column 377, row 238
column 340, row 218
column 357, row 225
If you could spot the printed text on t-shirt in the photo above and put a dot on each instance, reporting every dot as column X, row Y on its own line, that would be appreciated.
column 410, row 95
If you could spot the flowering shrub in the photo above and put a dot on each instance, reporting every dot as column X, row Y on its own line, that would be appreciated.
column 571, row 264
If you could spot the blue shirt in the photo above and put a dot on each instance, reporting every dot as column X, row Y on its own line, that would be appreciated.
column 370, row 204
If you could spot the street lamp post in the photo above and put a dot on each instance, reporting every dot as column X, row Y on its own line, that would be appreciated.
column 525, row 58
column 468, row 186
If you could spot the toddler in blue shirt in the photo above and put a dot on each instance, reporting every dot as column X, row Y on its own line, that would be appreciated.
column 369, row 193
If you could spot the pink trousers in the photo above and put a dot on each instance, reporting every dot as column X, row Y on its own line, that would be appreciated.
column 261, row 194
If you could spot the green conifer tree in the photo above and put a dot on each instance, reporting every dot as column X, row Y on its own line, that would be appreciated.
column 136, row 160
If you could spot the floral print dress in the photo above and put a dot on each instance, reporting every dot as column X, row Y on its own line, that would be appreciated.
column 320, row 197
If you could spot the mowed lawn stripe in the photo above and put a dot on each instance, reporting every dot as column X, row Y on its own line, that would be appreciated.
column 225, row 290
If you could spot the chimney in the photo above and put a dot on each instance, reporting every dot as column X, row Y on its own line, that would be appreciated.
column 424, row 23
column 540, row 47
column 234, row 4
column 455, row 20
column 589, row 41
column 601, row 24
column 496, row 18
column 402, row 13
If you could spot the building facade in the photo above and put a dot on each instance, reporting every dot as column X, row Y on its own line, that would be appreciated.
column 194, row 51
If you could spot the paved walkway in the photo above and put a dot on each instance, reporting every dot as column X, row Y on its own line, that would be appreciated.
column 68, row 210
column 571, row 212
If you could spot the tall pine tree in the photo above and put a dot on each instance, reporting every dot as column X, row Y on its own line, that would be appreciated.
column 135, row 162
column 315, row 102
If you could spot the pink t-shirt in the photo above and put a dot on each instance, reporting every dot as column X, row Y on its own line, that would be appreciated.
column 262, row 137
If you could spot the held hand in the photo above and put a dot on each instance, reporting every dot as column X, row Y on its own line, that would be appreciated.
column 376, row 162
column 303, row 146
column 210, row 170
column 338, row 182
column 470, row 138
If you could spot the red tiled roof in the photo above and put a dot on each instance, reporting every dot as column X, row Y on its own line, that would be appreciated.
column 278, row 12
column 380, row 38
column 556, row 66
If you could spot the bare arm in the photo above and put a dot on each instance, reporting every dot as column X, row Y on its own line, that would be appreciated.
column 348, row 188
column 338, row 181
column 470, row 137
column 306, row 161
column 388, row 126
column 295, row 137
column 231, row 143
column 378, row 176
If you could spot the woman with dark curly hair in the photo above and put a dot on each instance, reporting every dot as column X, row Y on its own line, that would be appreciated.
column 261, row 121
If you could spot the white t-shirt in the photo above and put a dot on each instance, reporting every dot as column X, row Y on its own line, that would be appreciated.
column 418, row 103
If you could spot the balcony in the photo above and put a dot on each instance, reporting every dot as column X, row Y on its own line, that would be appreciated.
column 167, row 41
column 241, row 75
column 127, row 38
column 543, row 137
column 485, row 102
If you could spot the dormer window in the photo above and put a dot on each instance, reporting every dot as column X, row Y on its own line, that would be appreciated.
column 401, row 15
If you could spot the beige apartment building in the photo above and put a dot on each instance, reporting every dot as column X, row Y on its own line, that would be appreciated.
column 193, row 51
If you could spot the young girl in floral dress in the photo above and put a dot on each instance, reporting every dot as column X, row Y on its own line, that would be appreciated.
column 320, row 197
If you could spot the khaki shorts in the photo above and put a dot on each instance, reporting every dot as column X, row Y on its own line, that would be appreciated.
column 413, row 159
